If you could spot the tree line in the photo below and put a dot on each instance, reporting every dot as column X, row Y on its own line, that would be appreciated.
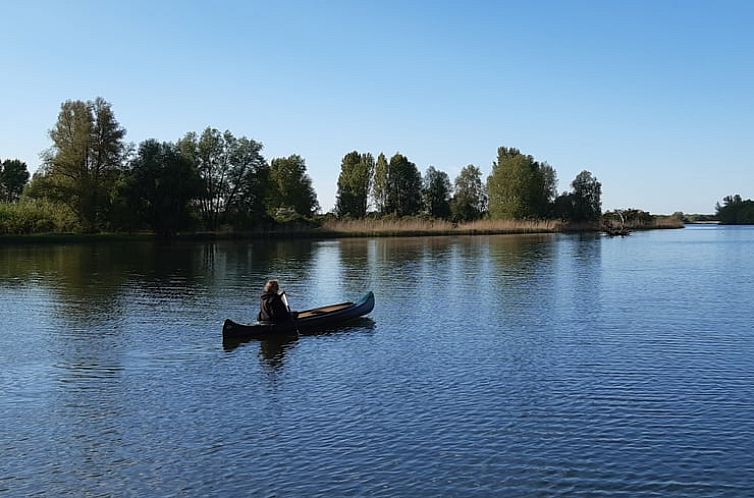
column 735, row 211
column 206, row 180
column 519, row 187
column 212, row 180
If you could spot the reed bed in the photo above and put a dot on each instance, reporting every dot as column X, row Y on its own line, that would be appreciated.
column 511, row 226
column 414, row 226
column 667, row 222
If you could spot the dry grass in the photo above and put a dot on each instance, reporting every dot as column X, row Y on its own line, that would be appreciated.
column 667, row 222
column 510, row 226
column 415, row 226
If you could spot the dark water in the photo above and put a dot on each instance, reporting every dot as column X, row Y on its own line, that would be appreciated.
column 507, row 365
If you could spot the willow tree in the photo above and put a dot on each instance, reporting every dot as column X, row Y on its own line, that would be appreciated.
column 354, row 183
column 227, row 167
column 85, row 158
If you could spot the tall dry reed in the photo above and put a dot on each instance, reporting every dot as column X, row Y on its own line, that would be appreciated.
column 421, row 226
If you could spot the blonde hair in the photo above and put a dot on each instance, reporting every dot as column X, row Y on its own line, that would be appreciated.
column 271, row 286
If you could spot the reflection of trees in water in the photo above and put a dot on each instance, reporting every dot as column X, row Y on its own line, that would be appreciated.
column 585, row 275
column 85, row 280
column 402, row 264
column 260, row 260
column 518, row 255
column 522, row 274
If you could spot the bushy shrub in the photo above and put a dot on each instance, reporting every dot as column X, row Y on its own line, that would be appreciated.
column 36, row 216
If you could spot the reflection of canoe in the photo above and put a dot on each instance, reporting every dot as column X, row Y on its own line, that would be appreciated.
column 316, row 318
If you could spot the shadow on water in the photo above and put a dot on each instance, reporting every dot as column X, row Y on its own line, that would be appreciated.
column 272, row 350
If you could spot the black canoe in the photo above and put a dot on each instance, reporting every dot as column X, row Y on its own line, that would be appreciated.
column 317, row 318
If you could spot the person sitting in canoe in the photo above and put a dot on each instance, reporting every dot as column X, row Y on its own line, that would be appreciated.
column 273, row 306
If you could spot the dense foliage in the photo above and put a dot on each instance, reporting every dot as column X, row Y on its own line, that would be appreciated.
column 227, row 167
column 520, row 187
column 13, row 177
column 160, row 187
column 291, row 190
column 36, row 216
column 735, row 211
column 213, row 180
column 354, row 183
column 397, row 186
column 436, row 193
column 470, row 198
column 85, row 159
column 584, row 203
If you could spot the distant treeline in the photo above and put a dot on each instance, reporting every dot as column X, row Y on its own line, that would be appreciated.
column 735, row 211
column 92, row 180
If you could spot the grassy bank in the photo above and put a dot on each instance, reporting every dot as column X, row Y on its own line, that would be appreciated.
column 409, row 227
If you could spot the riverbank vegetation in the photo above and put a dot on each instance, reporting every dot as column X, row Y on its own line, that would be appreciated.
column 735, row 211
column 213, row 182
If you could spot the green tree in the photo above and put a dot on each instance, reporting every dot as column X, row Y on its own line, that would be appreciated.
column 160, row 186
column 251, row 208
column 587, row 192
column 226, row 166
column 13, row 177
column 380, row 185
column 85, row 159
column 470, row 199
column 354, row 183
column 520, row 187
column 735, row 211
column 291, row 187
column 563, row 207
column 404, row 186
column 436, row 193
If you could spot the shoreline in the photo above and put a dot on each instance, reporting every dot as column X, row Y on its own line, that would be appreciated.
column 320, row 233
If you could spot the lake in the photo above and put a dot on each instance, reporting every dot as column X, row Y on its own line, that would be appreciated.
column 539, row 365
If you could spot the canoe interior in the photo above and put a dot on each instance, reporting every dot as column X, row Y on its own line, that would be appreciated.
column 323, row 310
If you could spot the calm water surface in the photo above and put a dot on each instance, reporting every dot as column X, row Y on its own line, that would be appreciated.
column 506, row 365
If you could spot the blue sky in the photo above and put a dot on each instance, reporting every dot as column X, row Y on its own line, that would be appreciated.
column 655, row 98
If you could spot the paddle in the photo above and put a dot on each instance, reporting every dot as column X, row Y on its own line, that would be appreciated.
column 293, row 317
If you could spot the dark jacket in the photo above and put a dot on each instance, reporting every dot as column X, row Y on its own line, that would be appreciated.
column 272, row 308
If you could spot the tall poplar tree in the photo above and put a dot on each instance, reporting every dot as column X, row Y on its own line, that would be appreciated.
column 85, row 158
column 380, row 184
column 354, row 183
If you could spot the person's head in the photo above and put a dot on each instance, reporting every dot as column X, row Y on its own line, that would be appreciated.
column 271, row 287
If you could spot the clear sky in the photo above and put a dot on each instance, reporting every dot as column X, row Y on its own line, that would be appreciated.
column 655, row 98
